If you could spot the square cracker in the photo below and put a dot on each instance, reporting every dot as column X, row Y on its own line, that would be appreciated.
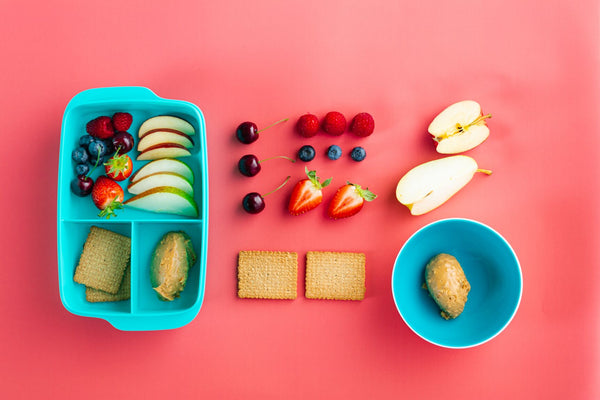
column 267, row 275
column 103, row 260
column 335, row 276
column 94, row 295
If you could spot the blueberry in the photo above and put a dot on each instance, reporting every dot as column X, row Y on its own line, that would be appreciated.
column 306, row 153
column 82, row 169
column 79, row 155
column 334, row 152
column 97, row 148
column 358, row 154
column 85, row 140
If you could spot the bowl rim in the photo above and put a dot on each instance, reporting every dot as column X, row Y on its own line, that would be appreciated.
column 502, row 239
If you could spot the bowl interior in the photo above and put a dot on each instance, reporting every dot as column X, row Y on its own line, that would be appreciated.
column 491, row 267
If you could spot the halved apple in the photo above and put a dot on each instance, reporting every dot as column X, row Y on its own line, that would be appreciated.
column 163, row 137
column 164, row 165
column 165, row 150
column 160, row 179
column 166, row 122
column 460, row 127
column 429, row 185
column 165, row 199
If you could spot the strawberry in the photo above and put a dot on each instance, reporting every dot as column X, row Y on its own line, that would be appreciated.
column 362, row 124
column 118, row 167
column 307, row 125
column 307, row 193
column 122, row 121
column 348, row 200
column 107, row 196
column 334, row 123
column 100, row 127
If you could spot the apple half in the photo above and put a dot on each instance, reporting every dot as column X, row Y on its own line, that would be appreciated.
column 164, row 165
column 165, row 199
column 157, row 137
column 164, row 150
column 160, row 179
column 166, row 122
column 460, row 127
column 431, row 184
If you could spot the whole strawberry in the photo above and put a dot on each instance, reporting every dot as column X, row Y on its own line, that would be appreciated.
column 307, row 125
column 100, row 127
column 334, row 123
column 362, row 124
column 118, row 167
column 307, row 193
column 107, row 196
column 122, row 121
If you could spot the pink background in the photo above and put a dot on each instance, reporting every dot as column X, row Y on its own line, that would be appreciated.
column 533, row 65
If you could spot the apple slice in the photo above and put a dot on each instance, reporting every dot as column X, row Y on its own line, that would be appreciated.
column 165, row 150
column 160, row 179
column 460, row 127
column 165, row 199
column 429, row 185
column 164, row 165
column 166, row 123
column 162, row 137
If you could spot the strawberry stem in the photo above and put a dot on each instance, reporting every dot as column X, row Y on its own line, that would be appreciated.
column 273, row 124
column 270, row 158
column 279, row 187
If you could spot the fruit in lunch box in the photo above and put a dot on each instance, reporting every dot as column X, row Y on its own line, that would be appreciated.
column 334, row 152
column 247, row 132
column 164, row 165
column 307, row 194
column 107, row 196
column 122, row 121
column 82, row 169
column 460, row 127
column 362, row 124
column 161, row 179
column 80, row 155
column 249, row 164
column 165, row 150
column 358, row 153
column 123, row 142
column 172, row 259
column 254, row 202
column 97, row 149
column 334, row 123
column 447, row 284
column 429, row 185
column 349, row 200
column 164, row 137
column 82, row 185
column 165, row 199
column 306, row 153
column 85, row 140
column 118, row 167
column 307, row 125
column 100, row 127
column 166, row 122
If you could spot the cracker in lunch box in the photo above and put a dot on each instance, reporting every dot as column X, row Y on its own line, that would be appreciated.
column 94, row 295
column 267, row 275
column 335, row 276
column 103, row 260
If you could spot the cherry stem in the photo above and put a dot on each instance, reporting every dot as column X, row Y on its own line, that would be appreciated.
column 95, row 165
column 485, row 171
column 285, row 157
column 273, row 124
column 280, row 186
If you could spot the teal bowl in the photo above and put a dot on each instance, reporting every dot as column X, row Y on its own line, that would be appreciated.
column 491, row 267
column 144, row 311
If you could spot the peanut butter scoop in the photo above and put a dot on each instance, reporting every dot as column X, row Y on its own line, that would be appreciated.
column 447, row 284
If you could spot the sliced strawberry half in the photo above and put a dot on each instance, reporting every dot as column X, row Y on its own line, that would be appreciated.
column 307, row 193
column 349, row 200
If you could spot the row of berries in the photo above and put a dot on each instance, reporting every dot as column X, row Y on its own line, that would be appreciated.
column 334, row 152
column 334, row 123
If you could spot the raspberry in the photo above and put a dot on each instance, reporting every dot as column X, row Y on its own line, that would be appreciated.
column 362, row 124
column 100, row 127
column 307, row 125
column 334, row 123
column 122, row 121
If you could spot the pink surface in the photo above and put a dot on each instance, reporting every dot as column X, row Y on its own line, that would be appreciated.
column 533, row 66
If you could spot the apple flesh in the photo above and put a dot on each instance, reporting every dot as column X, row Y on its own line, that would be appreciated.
column 164, row 165
column 165, row 150
column 431, row 184
column 160, row 179
column 166, row 122
column 165, row 199
column 163, row 137
column 460, row 127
